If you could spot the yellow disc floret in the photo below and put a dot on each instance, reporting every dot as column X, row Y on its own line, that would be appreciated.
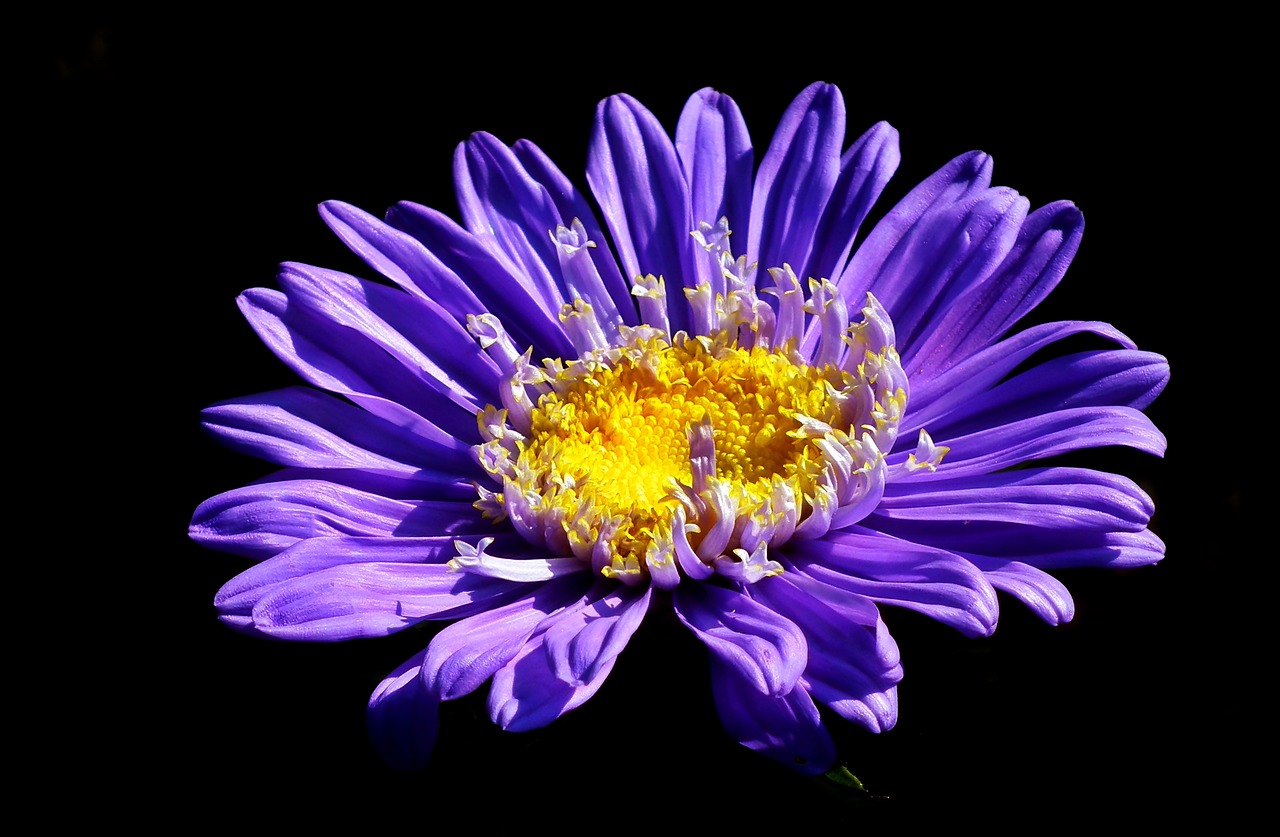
column 613, row 432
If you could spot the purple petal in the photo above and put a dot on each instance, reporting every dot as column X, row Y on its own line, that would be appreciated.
column 765, row 648
column 787, row 729
column 935, row 396
column 1044, row 548
column 895, row 571
column 332, row 357
column 423, row 485
column 573, row 204
column 853, row 662
column 419, row 334
column 527, row 693
column 1122, row 377
column 467, row 653
column 306, row 428
column 532, row 319
column 360, row 596
column 1038, row 437
column 956, row 183
column 865, row 169
column 401, row 258
column 1059, row 499
column 1047, row 597
column 403, row 717
column 260, row 520
column 582, row 643
column 1045, row 246
column 950, row 249
column 718, row 160
column 499, row 199
column 795, row 180
column 241, row 593
column 635, row 175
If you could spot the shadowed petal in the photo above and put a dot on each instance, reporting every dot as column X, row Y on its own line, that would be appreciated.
column 933, row 397
column 1047, row 597
column 957, row 183
column 1041, row 436
column 530, row 317
column 348, row 592
column 1121, row 377
column 1062, row 499
column 403, row 717
column 787, row 729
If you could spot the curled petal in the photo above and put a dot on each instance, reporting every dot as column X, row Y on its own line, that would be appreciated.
column 581, row 644
column 766, row 649
column 889, row 570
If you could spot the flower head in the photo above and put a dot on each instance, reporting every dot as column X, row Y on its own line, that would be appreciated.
column 694, row 394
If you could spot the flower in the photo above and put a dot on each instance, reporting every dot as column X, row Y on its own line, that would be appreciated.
column 541, row 426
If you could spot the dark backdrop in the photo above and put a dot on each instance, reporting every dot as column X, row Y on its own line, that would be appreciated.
column 187, row 160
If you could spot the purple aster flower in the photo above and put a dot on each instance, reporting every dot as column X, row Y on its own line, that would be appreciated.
column 685, row 389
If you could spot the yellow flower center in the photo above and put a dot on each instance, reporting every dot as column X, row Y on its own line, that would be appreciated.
column 613, row 434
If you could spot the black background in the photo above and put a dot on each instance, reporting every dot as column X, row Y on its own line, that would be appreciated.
column 184, row 161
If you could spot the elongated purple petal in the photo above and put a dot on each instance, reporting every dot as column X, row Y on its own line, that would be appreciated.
column 1047, row 597
column 260, row 520
column 952, row 248
column 895, row 571
column 527, row 693
column 418, row 486
column 1079, row 428
column 572, row 204
column 403, row 717
column 401, row 258
column 530, row 317
column 956, row 183
column 1039, row 547
column 365, row 598
column 1122, row 377
column 415, row 331
column 306, row 428
column 765, row 648
column 499, row 199
column 717, row 159
column 1062, row 499
column 797, row 174
column 865, row 169
column 1038, row 259
column 635, row 175
column 935, row 396
column 467, row 653
column 787, row 729
column 241, row 593
column 330, row 356
column 582, row 643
